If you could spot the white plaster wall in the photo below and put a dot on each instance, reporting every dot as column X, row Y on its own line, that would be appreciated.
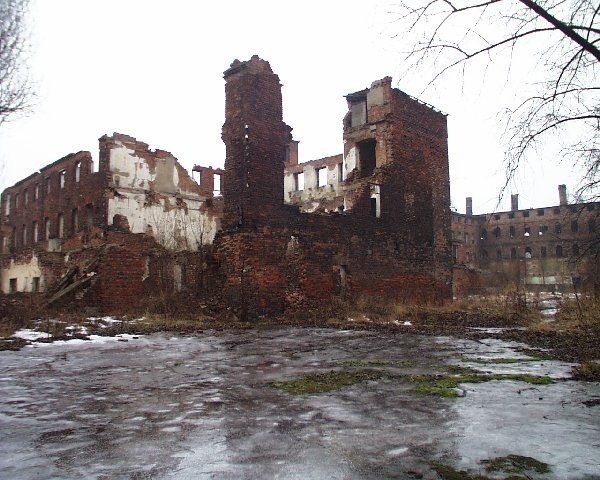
column 310, row 192
column 350, row 161
column 173, row 228
column 128, row 170
column 24, row 273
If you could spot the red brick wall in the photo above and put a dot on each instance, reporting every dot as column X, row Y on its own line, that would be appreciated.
column 66, row 196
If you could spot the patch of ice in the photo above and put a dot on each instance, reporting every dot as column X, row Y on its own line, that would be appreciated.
column 397, row 451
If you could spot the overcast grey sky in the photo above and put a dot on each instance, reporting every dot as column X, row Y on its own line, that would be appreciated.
column 153, row 70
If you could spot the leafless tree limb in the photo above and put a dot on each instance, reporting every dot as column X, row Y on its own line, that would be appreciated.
column 451, row 34
column 15, row 89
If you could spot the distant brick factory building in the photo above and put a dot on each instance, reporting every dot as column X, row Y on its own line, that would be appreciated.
column 547, row 249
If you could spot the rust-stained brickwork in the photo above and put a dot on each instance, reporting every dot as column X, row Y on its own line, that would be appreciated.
column 274, row 257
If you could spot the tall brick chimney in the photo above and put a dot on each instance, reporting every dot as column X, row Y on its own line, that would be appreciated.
column 291, row 153
column 562, row 195
column 514, row 202
column 469, row 206
column 255, row 139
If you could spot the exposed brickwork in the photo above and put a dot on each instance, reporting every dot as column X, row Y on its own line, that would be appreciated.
column 541, row 249
column 278, row 257
column 255, row 138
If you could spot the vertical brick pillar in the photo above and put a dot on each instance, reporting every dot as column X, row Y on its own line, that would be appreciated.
column 255, row 138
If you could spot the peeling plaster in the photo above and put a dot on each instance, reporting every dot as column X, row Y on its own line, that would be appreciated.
column 24, row 272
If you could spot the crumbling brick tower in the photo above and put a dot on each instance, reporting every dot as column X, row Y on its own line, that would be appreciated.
column 255, row 138
column 398, row 147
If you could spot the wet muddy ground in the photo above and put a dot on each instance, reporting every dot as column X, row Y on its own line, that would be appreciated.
column 211, row 406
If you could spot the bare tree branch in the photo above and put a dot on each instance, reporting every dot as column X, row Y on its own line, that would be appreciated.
column 15, row 90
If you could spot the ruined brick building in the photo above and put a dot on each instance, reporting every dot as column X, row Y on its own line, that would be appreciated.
column 537, row 249
column 374, row 221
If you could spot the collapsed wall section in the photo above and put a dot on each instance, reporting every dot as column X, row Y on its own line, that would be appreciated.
column 155, row 194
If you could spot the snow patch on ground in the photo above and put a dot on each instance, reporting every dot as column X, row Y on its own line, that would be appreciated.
column 30, row 334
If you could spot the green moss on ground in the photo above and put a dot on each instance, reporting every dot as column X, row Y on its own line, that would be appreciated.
column 446, row 385
column 517, row 467
column 325, row 382
column 407, row 363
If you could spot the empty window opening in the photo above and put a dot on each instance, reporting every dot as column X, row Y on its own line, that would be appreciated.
column 75, row 221
column 25, row 197
column 77, row 171
column 62, row 178
column 358, row 112
column 556, row 210
column 557, row 228
column 16, row 201
column 36, row 191
column 526, row 213
column 7, row 204
column 61, row 225
column 299, row 181
column 24, row 235
column 217, row 184
column 375, row 200
column 543, row 252
column 321, row 177
column 484, row 234
column 48, row 184
column 591, row 225
column 511, row 214
column 498, row 254
column 513, row 252
column 197, row 176
column 340, row 172
column 574, row 226
column 177, row 277
column 36, row 232
column 12, row 285
column 497, row 216
column 511, row 232
column 559, row 251
column 540, row 212
column 543, row 229
column 527, row 232
column 89, row 215
column 576, row 250
column 35, row 284
column 367, row 156
column 528, row 253
column 497, row 232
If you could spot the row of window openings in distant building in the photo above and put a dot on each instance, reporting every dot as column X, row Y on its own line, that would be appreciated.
column 35, row 229
column 321, row 177
column 540, row 212
column 62, row 181
column 559, row 251
column 543, row 229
